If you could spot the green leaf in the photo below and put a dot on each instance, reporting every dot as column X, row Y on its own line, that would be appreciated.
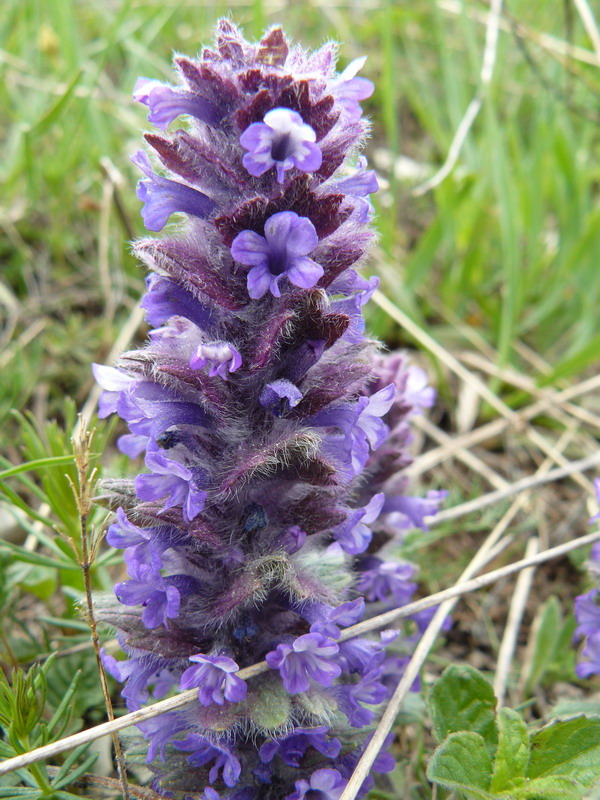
column 553, row 787
column 462, row 763
column 545, row 633
column 63, row 712
column 36, row 558
column 40, row 581
column 572, row 708
column 21, row 793
column 512, row 754
column 568, row 747
column 53, row 113
column 39, row 463
column 71, row 777
column 463, row 700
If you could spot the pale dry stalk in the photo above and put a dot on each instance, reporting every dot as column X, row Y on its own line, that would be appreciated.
column 474, row 107
column 511, row 631
column 491, row 430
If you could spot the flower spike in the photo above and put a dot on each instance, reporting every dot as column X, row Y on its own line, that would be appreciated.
column 272, row 431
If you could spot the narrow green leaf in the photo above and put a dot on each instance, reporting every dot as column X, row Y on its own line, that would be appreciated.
column 462, row 763
column 512, row 754
column 71, row 777
column 545, row 632
column 63, row 708
column 37, row 558
column 39, row 463
column 66, row 796
column 34, row 530
column 52, row 115
column 568, row 747
column 463, row 700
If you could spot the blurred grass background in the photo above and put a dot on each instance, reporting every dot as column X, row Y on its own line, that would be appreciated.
column 501, row 257
column 507, row 244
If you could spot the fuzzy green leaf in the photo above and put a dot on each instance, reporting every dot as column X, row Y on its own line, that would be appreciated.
column 552, row 787
column 512, row 755
column 463, row 700
column 568, row 747
column 462, row 763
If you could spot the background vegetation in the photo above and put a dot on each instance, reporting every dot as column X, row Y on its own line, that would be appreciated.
column 498, row 263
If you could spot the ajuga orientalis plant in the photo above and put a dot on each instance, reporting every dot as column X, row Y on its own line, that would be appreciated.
column 274, row 433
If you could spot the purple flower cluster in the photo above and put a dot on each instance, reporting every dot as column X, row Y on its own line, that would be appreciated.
column 274, row 433
column 587, row 611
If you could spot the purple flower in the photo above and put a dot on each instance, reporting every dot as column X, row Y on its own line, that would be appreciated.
column 308, row 657
column 369, row 425
column 360, row 655
column 360, row 184
column 280, row 396
column 591, row 651
column 172, row 480
column 369, row 689
column 324, row 784
column 411, row 511
column 587, row 614
column 166, row 103
column 138, row 675
column 281, row 252
column 113, row 381
column 387, row 580
column 292, row 747
column 215, row 679
column 124, row 533
column 221, row 357
column 354, row 535
column 159, row 598
column 165, row 299
column 596, row 516
column 163, row 197
column 327, row 619
column 202, row 752
column 417, row 391
column 348, row 89
column 282, row 140
column 159, row 731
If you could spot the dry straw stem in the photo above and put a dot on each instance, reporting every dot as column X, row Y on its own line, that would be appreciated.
column 495, row 428
column 444, row 356
column 526, row 383
column 589, row 23
column 466, row 456
column 515, row 615
column 552, row 44
column 463, row 452
column 526, row 483
column 381, row 621
column 474, row 107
